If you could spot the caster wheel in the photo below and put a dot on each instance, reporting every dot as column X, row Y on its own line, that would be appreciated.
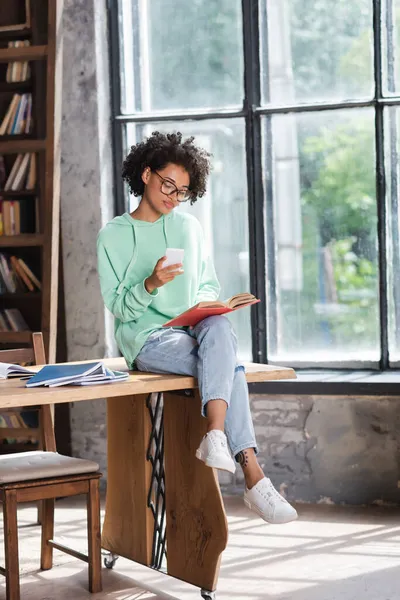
column 208, row 595
column 110, row 560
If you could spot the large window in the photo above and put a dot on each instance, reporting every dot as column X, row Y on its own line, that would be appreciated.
column 299, row 103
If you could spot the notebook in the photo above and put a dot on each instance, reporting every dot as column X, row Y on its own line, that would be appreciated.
column 108, row 377
column 81, row 374
column 8, row 370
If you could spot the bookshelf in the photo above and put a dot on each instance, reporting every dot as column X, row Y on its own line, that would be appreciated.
column 30, row 77
column 20, row 54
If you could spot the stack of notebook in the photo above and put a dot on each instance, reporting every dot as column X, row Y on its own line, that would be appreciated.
column 56, row 375
column 81, row 374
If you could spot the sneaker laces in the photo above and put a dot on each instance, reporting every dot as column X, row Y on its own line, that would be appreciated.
column 268, row 491
column 218, row 440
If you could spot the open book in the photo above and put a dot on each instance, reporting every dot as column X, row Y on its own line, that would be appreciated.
column 8, row 370
column 207, row 309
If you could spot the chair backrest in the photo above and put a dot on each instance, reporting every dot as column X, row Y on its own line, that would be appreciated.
column 37, row 356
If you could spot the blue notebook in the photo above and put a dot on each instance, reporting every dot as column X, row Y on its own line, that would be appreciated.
column 109, row 377
column 59, row 373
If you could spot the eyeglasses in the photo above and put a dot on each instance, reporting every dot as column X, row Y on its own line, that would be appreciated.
column 169, row 189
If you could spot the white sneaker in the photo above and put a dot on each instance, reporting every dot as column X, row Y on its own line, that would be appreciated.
column 213, row 450
column 264, row 500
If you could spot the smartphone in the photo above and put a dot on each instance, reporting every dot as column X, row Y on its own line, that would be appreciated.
column 174, row 256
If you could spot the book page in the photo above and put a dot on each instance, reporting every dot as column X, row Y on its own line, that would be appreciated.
column 239, row 300
column 211, row 304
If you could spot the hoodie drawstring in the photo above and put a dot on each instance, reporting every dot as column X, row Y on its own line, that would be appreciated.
column 135, row 254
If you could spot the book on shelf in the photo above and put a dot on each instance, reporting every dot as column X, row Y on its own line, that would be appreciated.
column 18, row 70
column 21, row 286
column 7, row 274
column 3, row 323
column 3, row 172
column 200, row 311
column 16, row 319
column 18, row 118
column 31, row 275
column 30, row 183
column 14, row 170
column 9, row 114
column 11, row 319
column 16, row 276
column 22, row 175
column 18, row 216
column 11, row 211
column 21, row 274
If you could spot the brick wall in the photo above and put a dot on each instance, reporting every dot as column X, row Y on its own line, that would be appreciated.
column 327, row 449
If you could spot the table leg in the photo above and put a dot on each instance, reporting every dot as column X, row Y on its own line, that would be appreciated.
column 197, row 530
column 129, row 523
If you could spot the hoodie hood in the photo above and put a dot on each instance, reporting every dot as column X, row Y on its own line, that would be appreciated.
column 126, row 220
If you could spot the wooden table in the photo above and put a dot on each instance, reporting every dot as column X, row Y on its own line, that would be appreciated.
column 159, row 496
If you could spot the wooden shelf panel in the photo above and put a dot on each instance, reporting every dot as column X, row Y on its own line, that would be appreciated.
column 26, row 53
column 15, row 337
column 25, row 239
column 22, row 145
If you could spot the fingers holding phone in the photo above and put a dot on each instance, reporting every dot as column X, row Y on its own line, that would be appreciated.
column 167, row 268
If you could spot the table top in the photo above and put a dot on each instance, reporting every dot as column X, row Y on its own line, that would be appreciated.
column 13, row 392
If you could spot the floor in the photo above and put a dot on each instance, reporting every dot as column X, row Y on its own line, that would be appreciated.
column 330, row 553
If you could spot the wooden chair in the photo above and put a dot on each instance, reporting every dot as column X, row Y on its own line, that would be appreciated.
column 22, row 433
column 44, row 476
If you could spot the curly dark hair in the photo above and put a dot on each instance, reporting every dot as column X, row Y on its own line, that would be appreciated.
column 157, row 151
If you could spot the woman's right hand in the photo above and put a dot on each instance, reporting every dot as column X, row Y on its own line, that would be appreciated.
column 161, row 276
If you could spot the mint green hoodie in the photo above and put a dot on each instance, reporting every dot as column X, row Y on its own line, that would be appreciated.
column 128, row 250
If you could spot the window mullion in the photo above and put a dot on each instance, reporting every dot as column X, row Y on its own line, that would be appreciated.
column 381, row 185
column 117, row 129
column 393, row 160
column 254, row 178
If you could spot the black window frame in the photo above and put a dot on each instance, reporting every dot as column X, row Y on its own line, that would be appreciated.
column 260, row 200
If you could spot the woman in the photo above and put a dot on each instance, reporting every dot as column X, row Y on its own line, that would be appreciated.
column 142, row 294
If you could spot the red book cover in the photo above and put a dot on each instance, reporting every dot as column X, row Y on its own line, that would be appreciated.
column 201, row 311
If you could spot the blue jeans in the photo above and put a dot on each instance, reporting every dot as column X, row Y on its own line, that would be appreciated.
column 208, row 352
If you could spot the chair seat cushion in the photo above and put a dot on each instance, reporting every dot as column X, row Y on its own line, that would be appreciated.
column 40, row 465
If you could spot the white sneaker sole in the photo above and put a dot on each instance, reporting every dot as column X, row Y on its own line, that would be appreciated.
column 221, row 466
column 259, row 512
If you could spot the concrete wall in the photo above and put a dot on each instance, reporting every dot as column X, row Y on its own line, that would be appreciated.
column 328, row 449
column 86, row 202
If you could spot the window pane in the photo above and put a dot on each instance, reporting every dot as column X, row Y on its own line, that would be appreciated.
column 392, row 141
column 391, row 45
column 325, row 306
column 316, row 50
column 223, row 210
column 181, row 55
